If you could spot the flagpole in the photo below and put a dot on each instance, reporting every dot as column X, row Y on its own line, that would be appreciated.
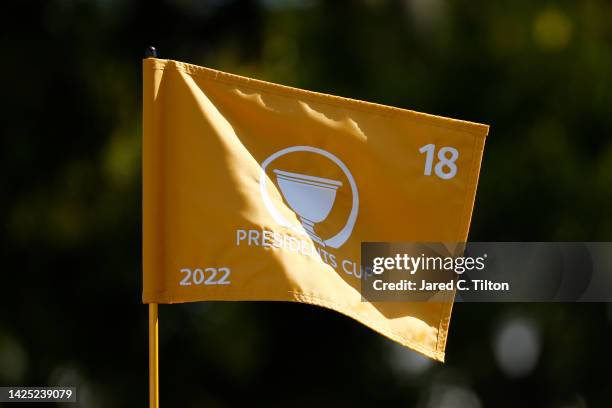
column 153, row 357
column 151, row 52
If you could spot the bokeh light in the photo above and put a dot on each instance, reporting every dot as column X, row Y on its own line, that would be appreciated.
column 406, row 362
column 517, row 347
column 552, row 29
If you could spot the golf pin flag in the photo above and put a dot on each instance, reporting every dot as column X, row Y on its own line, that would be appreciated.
column 258, row 191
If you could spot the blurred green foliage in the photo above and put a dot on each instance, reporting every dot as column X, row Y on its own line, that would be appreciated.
column 538, row 72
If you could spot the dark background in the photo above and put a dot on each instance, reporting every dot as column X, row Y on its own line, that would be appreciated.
column 70, row 313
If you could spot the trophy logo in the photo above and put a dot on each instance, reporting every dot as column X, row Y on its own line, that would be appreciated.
column 310, row 197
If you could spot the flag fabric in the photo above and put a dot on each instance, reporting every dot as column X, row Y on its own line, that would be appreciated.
column 254, row 191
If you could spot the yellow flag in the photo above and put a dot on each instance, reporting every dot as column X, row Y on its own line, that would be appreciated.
column 258, row 191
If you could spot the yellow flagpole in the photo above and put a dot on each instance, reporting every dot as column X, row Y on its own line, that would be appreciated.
column 153, row 358
column 151, row 52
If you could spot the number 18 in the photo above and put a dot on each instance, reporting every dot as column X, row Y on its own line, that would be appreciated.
column 446, row 167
